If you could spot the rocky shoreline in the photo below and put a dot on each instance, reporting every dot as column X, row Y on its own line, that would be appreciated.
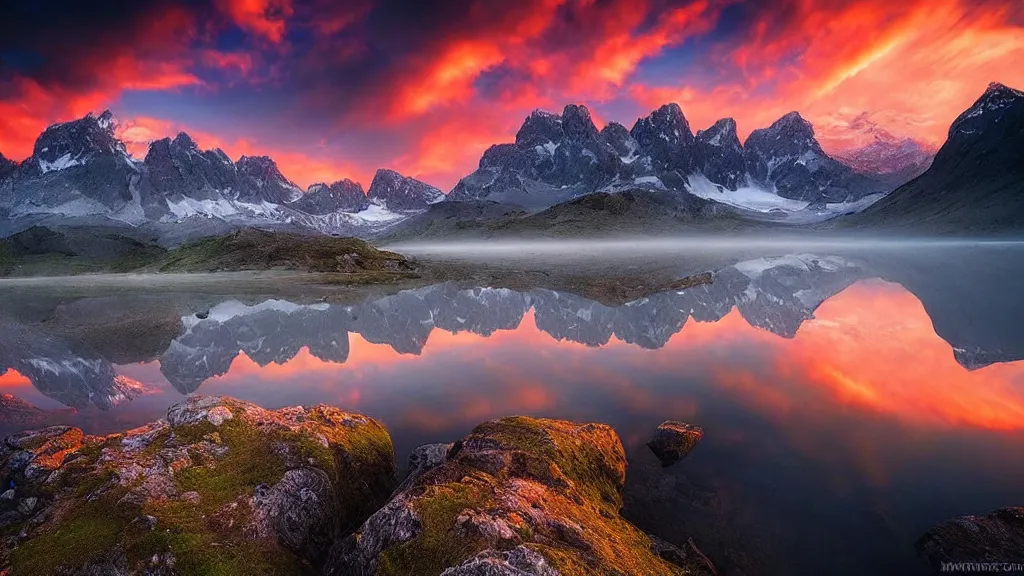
column 222, row 486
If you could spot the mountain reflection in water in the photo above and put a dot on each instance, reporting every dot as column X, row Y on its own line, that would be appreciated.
column 839, row 424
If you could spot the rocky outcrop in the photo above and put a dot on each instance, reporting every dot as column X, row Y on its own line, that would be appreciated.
column 719, row 154
column 517, row 496
column 396, row 192
column 996, row 537
column 342, row 196
column 672, row 441
column 265, row 181
column 220, row 486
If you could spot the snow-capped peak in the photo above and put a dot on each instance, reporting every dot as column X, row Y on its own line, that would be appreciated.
column 993, row 103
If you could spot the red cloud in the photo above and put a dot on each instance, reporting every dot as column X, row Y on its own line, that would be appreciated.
column 302, row 168
column 914, row 66
column 156, row 61
column 265, row 18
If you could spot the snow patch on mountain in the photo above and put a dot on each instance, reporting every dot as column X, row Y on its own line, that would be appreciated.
column 746, row 197
column 62, row 163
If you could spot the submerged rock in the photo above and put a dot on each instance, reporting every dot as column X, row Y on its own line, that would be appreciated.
column 996, row 537
column 672, row 441
column 519, row 497
column 221, row 486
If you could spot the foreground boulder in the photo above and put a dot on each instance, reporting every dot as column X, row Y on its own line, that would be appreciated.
column 672, row 441
column 219, row 487
column 996, row 537
column 516, row 497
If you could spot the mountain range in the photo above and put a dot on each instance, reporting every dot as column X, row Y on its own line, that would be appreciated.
column 80, row 172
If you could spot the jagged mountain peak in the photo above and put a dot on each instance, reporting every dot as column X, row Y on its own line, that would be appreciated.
column 789, row 135
column 577, row 123
column 334, row 188
column 666, row 135
column 341, row 196
column 106, row 120
column 539, row 129
column 667, row 122
column 999, row 88
column 996, row 101
column 269, row 183
column 185, row 141
column 397, row 192
column 722, row 133
column 74, row 143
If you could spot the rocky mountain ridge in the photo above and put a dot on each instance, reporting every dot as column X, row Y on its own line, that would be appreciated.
column 781, row 174
column 559, row 157
column 79, row 169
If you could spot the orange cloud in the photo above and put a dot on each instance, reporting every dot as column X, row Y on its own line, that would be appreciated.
column 301, row 168
column 621, row 49
column 915, row 65
column 29, row 105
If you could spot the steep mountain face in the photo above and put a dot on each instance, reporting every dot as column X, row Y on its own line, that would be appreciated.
column 179, row 172
column 975, row 182
column 666, row 139
column 719, row 154
column 76, row 168
column 265, row 182
column 6, row 167
column 559, row 157
column 787, row 158
column 341, row 196
column 396, row 192
column 554, row 158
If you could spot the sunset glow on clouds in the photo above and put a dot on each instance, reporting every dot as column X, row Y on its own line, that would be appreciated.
column 334, row 90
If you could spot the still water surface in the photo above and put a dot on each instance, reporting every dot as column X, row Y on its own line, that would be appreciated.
column 850, row 401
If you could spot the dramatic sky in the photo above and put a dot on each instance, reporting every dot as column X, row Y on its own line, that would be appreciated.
column 338, row 89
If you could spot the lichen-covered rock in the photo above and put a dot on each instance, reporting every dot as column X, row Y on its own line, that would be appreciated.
column 672, row 441
column 994, row 537
column 32, row 455
column 516, row 497
column 222, row 486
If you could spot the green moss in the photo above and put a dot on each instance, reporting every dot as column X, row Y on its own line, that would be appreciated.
column 438, row 546
column 250, row 460
column 88, row 484
column 546, row 444
column 201, row 545
column 86, row 536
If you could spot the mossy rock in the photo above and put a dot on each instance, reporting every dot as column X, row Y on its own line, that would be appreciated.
column 221, row 487
column 517, row 495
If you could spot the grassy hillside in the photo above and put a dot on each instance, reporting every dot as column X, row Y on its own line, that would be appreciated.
column 53, row 252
